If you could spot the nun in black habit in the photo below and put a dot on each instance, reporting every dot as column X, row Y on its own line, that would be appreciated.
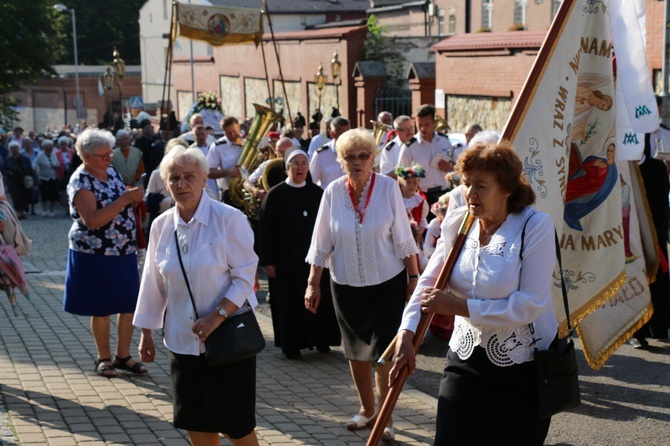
column 286, row 223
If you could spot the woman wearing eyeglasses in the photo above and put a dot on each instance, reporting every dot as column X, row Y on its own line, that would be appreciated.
column 362, row 234
column 102, row 249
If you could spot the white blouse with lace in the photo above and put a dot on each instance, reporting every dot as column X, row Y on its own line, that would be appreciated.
column 368, row 253
column 511, row 310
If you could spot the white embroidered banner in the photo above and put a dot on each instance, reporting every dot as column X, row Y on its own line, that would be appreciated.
column 220, row 25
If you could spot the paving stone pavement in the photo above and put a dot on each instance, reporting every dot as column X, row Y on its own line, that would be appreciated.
column 49, row 393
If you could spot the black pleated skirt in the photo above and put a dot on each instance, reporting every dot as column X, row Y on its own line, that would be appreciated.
column 214, row 399
column 481, row 404
column 369, row 317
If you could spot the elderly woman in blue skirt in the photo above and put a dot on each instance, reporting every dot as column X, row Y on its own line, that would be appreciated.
column 101, row 277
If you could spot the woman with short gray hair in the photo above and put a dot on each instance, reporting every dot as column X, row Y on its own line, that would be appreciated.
column 189, row 295
column 45, row 166
column 102, row 249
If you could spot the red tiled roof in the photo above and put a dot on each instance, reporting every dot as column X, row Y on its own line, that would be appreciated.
column 323, row 33
column 491, row 41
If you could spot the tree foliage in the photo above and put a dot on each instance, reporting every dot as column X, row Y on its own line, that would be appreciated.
column 378, row 48
column 101, row 26
column 28, row 49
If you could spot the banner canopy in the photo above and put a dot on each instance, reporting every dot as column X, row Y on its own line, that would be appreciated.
column 220, row 25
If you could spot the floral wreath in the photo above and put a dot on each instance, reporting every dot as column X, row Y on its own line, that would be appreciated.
column 440, row 206
column 209, row 100
column 414, row 171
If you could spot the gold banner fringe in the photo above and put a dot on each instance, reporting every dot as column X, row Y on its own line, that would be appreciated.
column 596, row 361
column 589, row 307
column 199, row 34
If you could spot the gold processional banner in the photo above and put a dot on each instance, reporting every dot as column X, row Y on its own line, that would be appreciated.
column 564, row 129
column 220, row 25
column 604, row 330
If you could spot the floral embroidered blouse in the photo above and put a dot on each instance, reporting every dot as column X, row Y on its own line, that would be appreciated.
column 509, row 298
column 362, row 253
column 117, row 237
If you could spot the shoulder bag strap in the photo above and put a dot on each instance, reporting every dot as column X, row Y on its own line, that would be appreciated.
column 183, row 271
column 560, row 269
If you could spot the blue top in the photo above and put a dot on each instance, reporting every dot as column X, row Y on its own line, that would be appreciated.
column 117, row 237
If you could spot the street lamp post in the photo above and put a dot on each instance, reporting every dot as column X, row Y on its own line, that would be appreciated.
column 320, row 82
column 108, row 82
column 62, row 8
column 335, row 71
column 119, row 73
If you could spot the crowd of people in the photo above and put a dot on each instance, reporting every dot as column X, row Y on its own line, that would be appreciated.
column 352, row 233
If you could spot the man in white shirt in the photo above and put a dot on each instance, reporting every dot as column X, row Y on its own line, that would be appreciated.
column 320, row 140
column 224, row 154
column 194, row 120
column 404, row 128
column 201, row 134
column 324, row 167
column 432, row 151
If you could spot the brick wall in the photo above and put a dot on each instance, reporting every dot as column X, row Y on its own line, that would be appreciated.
column 300, row 53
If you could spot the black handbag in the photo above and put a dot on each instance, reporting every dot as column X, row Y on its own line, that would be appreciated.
column 556, row 372
column 238, row 337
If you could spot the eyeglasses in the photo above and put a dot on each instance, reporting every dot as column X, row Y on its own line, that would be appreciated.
column 411, row 129
column 360, row 157
column 103, row 156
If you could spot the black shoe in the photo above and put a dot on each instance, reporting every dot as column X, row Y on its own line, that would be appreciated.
column 293, row 355
column 323, row 349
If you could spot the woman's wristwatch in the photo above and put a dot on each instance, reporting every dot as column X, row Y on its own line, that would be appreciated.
column 413, row 276
column 222, row 312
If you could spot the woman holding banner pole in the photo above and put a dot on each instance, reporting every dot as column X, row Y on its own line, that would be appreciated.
column 501, row 298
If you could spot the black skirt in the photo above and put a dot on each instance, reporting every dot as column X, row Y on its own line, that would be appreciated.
column 481, row 404
column 369, row 317
column 214, row 399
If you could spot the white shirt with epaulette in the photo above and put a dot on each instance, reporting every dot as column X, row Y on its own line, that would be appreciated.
column 390, row 155
column 223, row 155
column 324, row 167
column 420, row 151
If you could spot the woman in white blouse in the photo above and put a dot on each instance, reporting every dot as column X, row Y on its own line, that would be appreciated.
column 363, row 235
column 216, row 245
column 502, row 302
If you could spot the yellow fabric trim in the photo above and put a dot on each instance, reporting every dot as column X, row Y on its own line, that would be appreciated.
column 592, row 305
column 596, row 359
column 198, row 34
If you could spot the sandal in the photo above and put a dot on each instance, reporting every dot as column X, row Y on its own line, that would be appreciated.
column 360, row 421
column 389, row 434
column 108, row 371
column 122, row 363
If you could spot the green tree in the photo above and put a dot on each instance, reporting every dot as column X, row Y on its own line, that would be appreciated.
column 378, row 48
column 27, row 39
column 102, row 25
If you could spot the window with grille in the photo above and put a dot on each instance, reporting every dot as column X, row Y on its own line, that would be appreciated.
column 520, row 13
column 555, row 4
column 487, row 14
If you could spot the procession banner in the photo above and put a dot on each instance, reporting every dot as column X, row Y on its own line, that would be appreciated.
column 604, row 330
column 563, row 127
column 220, row 25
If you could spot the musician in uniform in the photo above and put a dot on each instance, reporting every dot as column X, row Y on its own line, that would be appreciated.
column 324, row 167
column 222, row 157
column 252, row 184
column 404, row 128
column 431, row 150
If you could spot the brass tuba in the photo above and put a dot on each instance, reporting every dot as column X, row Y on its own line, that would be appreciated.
column 441, row 125
column 251, row 158
column 378, row 131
